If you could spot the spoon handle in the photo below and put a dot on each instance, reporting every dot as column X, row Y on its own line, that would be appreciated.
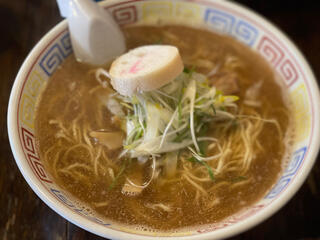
column 96, row 38
column 63, row 7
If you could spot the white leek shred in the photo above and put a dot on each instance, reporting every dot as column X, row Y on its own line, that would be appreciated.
column 152, row 122
column 170, row 163
column 191, row 94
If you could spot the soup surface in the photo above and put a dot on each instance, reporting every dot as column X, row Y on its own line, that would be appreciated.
column 73, row 104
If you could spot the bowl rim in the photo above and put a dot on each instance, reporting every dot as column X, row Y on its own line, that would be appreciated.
column 98, row 229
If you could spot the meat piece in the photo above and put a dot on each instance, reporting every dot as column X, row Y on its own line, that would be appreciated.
column 226, row 82
column 133, row 185
column 251, row 97
column 130, row 190
column 112, row 140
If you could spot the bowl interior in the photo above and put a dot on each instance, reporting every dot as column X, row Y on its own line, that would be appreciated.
column 222, row 17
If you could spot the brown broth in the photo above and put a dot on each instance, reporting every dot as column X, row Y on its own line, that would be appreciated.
column 74, row 81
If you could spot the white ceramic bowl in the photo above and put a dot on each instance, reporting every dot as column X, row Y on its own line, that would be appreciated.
column 219, row 16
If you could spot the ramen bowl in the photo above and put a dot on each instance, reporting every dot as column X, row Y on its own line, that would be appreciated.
column 217, row 16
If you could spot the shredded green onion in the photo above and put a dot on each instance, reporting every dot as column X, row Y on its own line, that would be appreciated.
column 116, row 179
column 174, row 117
column 210, row 171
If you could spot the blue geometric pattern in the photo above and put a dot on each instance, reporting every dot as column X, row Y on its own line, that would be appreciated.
column 281, row 184
column 290, row 171
column 295, row 163
column 219, row 21
column 228, row 24
column 56, row 54
column 66, row 45
column 245, row 32
column 61, row 197
column 67, row 202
